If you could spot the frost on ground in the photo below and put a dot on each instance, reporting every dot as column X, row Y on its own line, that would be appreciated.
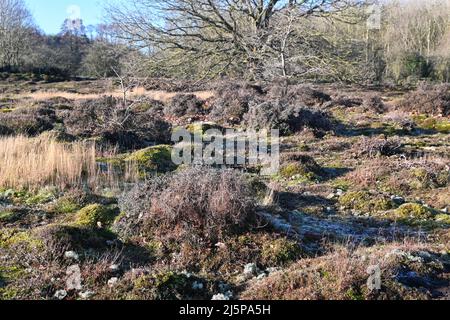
column 361, row 198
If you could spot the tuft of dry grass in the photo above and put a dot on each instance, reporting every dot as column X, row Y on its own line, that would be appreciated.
column 32, row 163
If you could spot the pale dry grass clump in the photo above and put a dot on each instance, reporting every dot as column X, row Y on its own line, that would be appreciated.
column 32, row 163
column 158, row 95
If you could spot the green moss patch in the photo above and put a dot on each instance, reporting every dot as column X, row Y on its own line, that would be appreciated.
column 153, row 159
column 413, row 211
column 441, row 125
column 366, row 202
column 162, row 286
column 280, row 252
column 12, row 237
column 443, row 218
column 7, row 216
column 42, row 197
column 300, row 167
column 95, row 215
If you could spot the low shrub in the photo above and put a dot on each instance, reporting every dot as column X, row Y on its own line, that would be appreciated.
column 232, row 102
column 298, row 95
column 342, row 275
column 374, row 103
column 116, row 124
column 428, row 99
column 197, row 206
column 27, row 121
column 288, row 119
column 184, row 105
column 345, row 101
column 378, row 146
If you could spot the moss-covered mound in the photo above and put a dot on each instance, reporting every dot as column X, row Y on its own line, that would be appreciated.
column 153, row 159
column 95, row 215
column 366, row 202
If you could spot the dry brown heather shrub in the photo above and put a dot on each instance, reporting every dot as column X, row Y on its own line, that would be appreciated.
column 374, row 103
column 428, row 99
column 184, row 105
column 401, row 119
column 345, row 101
column 402, row 176
column 298, row 95
column 54, row 103
column 145, row 104
column 288, row 119
column 27, row 121
column 198, row 206
column 115, row 124
column 39, row 162
column 232, row 101
column 343, row 275
column 370, row 173
column 374, row 147
column 173, row 85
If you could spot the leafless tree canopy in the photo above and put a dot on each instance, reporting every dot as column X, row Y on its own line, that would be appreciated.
column 15, row 20
column 224, row 35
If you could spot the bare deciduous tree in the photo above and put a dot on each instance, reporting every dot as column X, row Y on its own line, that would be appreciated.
column 219, row 35
column 15, row 21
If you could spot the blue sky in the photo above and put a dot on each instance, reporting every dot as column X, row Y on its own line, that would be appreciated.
column 50, row 14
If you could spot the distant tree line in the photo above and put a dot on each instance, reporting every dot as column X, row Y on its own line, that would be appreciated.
column 74, row 51
column 351, row 41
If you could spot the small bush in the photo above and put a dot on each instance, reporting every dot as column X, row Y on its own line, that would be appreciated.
column 116, row 124
column 27, row 121
column 197, row 206
column 145, row 104
column 232, row 102
column 374, row 103
column 184, row 105
column 298, row 95
column 378, row 146
column 428, row 99
column 288, row 119
column 345, row 101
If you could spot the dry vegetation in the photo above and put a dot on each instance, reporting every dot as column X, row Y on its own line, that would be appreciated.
column 93, row 207
column 364, row 181
column 36, row 163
